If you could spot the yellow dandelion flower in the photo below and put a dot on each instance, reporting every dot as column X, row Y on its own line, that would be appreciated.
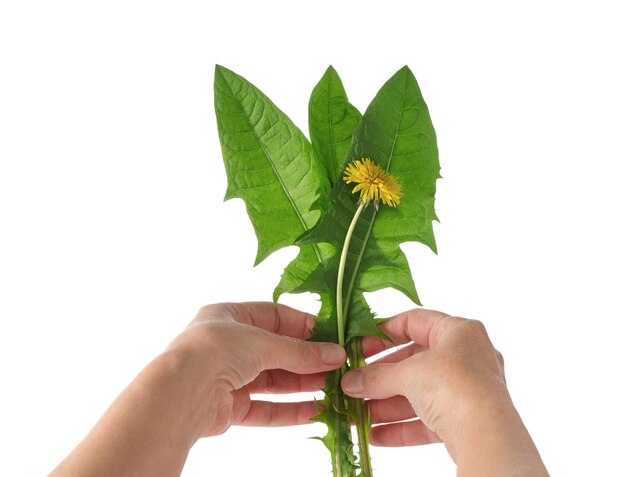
column 373, row 183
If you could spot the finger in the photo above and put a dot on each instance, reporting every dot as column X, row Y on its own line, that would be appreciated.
column 297, row 356
column 275, row 318
column 372, row 345
column 394, row 409
column 278, row 381
column 416, row 325
column 273, row 414
column 410, row 433
column 376, row 381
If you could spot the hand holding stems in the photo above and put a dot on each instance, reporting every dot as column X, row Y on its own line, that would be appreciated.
column 449, row 375
column 201, row 385
column 452, row 377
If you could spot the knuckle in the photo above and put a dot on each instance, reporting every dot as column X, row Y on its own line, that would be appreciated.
column 265, row 381
column 274, row 414
column 500, row 358
column 203, row 311
column 228, row 309
column 303, row 351
column 476, row 325
column 217, row 311
column 470, row 327
column 277, row 350
column 372, row 377
column 221, row 418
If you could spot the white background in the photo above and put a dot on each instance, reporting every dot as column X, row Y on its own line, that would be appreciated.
column 113, row 231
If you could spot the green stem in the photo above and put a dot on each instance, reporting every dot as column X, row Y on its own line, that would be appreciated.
column 355, row 353
column 341, row 327
column 363, row 422
column 341, row 423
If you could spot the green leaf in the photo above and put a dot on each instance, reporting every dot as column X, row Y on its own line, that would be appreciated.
column 396, row 132
column 332, row 122
column 269, row 164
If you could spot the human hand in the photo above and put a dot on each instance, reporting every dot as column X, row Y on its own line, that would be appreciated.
column 452, row 377
column 201, row 385
column 230, row 351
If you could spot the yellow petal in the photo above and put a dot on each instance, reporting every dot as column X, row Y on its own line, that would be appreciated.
column 373, row 182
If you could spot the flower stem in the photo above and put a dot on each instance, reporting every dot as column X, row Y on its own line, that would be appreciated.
column 341, row 326
column 355, row 353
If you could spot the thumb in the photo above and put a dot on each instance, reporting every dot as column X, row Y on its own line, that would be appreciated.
column 298, row 356
column 376, row 381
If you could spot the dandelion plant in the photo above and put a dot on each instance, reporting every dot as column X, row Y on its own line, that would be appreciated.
column 347, row 197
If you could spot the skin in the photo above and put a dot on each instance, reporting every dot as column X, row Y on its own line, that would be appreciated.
column 450, row 375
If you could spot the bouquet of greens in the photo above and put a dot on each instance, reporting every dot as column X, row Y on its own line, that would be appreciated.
column 348, row 197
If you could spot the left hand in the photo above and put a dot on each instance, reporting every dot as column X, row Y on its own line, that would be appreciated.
column 230, row 351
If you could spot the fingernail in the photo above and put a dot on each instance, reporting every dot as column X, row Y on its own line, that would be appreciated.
column 352, row 382
column 332, row 354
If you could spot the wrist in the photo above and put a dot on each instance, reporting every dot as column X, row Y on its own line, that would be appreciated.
column 491, row 439
column 188, row 392
column 148, row 430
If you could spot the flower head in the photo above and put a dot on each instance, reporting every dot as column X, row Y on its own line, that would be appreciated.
column 373, row 182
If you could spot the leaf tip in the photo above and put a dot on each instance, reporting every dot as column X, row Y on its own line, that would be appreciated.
column 219, row 69
column 276, row 295
column 260, row 256
column 224, row 73
column 331, row 69
column 405, row 72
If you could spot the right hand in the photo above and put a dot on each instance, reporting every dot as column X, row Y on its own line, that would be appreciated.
column 448, row 373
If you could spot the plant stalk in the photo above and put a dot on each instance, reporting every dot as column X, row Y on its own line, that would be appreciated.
column 355, row 354
column 362, row 419
column 342, row 420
